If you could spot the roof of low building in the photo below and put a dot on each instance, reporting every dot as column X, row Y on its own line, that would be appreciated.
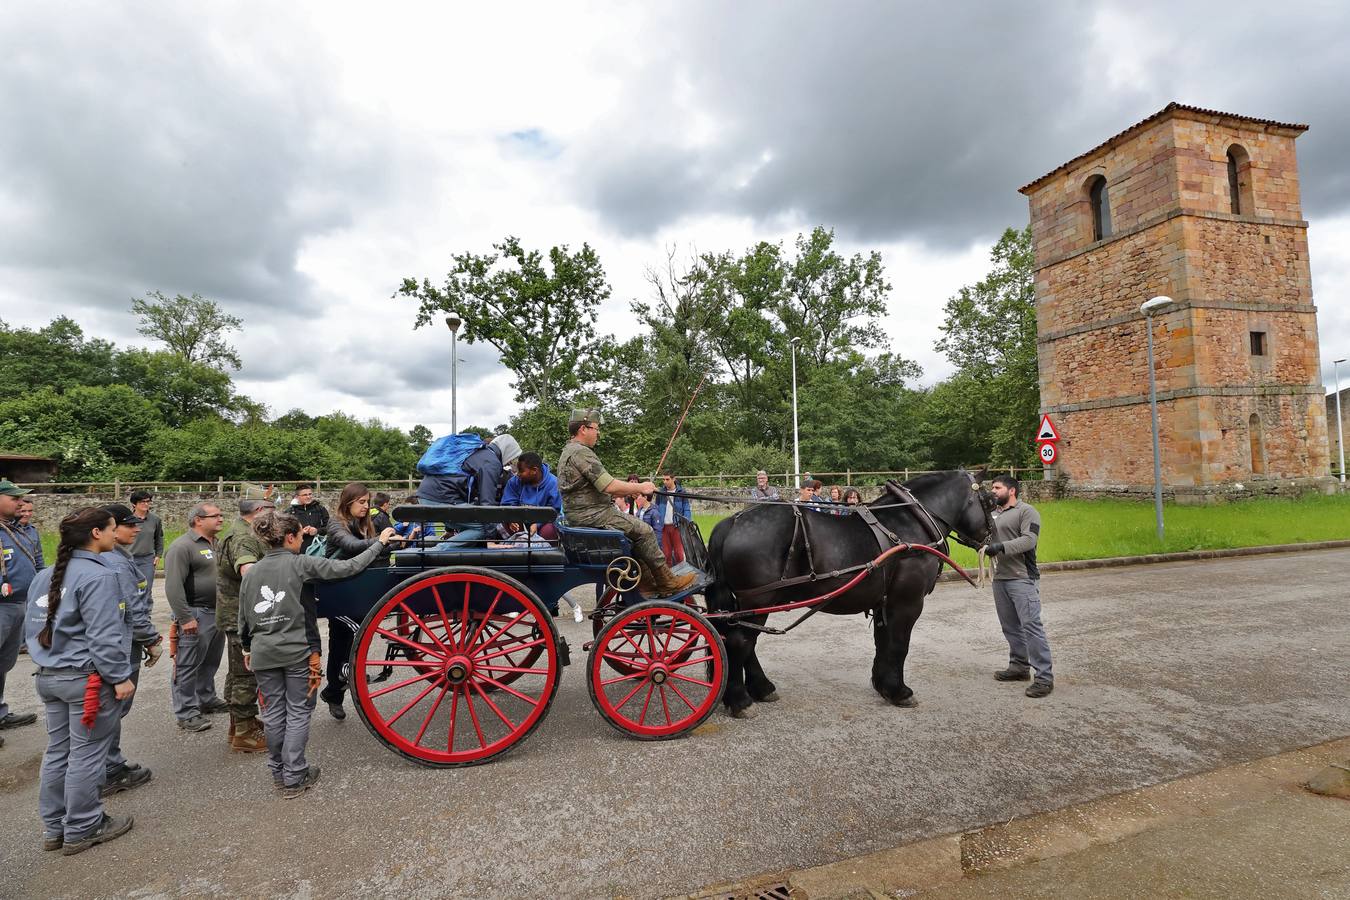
column 25, row 456
column 1160, row 114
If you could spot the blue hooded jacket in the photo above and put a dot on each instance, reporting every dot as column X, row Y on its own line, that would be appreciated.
column 545, row 493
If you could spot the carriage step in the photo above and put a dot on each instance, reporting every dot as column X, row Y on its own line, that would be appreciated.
column 564, row 652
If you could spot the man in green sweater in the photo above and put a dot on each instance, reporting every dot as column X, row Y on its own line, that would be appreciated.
column 1017, row 588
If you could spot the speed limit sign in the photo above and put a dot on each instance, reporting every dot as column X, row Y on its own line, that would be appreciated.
column 1048, row 453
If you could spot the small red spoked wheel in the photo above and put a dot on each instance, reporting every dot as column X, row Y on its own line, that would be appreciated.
column 624, row 659
column 476, row 682
column 678, row 670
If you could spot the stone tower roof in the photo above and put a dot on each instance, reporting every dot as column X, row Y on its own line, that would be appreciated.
column 1167, row 110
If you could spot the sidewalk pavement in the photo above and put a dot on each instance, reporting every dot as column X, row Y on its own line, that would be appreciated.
column 1246, row 831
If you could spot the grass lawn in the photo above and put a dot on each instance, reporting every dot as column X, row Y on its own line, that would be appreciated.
column 1094, row 529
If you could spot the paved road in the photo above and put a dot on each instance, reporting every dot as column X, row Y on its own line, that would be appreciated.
column 1161, row 671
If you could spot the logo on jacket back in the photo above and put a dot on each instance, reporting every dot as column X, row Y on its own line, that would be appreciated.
column 40, row 601
column 268, row 601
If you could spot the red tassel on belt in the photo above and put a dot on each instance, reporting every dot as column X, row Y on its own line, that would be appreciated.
column 91, row 701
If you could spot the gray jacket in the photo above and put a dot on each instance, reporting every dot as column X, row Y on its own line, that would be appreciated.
column 278, row 622
column 150, row 542
column 133, row 589
column 190, row 575
column 92, row 628
column 1017, row 528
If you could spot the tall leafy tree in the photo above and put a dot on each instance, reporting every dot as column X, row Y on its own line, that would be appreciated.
column 193, row 328
column 831, row 302
column 56, row 356
column 989, row 334
column 541, row 316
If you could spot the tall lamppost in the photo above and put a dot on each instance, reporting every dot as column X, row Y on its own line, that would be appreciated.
column 454, row 322
column 1148, row 308
column 796, row 449
column 1340, row 434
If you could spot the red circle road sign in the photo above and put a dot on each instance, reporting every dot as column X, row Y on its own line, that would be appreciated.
column 1048, row 453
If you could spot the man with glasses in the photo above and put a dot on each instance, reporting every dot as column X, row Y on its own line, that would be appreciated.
column 190, row 584
column 238, row 551
column 149, row 547
column 587, row 497
column 20, row 560
column 312, row 514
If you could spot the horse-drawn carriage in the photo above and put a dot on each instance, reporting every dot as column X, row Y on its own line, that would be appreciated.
column 458, row 660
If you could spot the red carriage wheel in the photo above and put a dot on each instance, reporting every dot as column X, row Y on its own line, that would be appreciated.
column 678, row 670
column 476, row 681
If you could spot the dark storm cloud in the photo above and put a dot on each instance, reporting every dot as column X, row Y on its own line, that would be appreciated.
column 149, row 151
column 894, row 121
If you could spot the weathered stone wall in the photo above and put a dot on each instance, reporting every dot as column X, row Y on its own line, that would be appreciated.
column 173, row 508
column 1175, row 234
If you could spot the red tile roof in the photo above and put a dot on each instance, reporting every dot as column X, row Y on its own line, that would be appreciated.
column 1162, row 113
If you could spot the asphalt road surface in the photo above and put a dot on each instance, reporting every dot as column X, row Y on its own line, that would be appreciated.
column 1160, row 671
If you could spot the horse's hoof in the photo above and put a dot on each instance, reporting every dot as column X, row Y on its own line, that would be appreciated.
column 747, row 713
column 771, row 697
column 906, row 702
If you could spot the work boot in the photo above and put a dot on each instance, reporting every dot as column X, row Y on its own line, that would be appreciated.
column 248, row 737
column 1012, row 673
column 196, row 723
column 667, row 582
column 291, row 791
column 111, row 827
column 646, row 584
column 1040, row 689
column 125, row 779
column 15, row 720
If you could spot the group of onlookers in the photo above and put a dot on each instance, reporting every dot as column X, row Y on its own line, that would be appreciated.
column 664, row 512
column 812, row 491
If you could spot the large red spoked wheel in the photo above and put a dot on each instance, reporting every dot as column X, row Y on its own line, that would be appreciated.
column 671, row 670
column 475, row 681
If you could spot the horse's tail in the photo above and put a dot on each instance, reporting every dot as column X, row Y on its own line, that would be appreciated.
column 718, row 594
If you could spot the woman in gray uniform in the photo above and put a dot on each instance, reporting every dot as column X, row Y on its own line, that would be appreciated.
column 279, row 629
column 78, row 632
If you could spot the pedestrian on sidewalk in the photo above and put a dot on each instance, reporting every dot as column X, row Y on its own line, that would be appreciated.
column 78, row 633
column 20, row 560
column 190, row 584
column 1017, row 588
column 122, row 775
column 279, row 630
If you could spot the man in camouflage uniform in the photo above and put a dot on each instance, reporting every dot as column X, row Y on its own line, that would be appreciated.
column 238, row 550
column 588, row 493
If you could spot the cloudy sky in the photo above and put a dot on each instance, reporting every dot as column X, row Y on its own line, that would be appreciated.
column 295, row 161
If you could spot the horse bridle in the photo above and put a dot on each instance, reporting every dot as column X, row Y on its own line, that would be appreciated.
column 986, row 506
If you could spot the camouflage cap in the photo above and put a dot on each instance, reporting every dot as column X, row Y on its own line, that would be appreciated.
column 591, row 415
column 13, row 490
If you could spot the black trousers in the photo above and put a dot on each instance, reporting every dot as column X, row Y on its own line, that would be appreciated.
column 339, row 654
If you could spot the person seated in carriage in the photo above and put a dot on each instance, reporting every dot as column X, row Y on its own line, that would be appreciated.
column 587, row 497
column 533, row 485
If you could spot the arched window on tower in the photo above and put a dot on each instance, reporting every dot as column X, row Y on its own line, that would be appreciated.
column 1258, row 445
column 1240, row 199
column 1101, row 207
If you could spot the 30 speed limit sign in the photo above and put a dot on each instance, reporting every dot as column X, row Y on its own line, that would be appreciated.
column 1048, row 453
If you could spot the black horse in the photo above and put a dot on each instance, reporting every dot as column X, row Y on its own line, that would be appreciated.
column 752, row 554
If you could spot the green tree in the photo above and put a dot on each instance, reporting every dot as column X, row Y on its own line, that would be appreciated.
column 541, row 318
column 419, row 439
column 833, row 303
column 989, row 334
column 97, row 433
column 212, row 448
column 193, row 328
column 182, row 389
column 57, row 356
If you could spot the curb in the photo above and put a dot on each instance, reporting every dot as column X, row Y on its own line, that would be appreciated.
column 1112, row 562
column 951, row 858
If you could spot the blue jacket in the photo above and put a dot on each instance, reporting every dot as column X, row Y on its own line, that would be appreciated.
column 92, row 628
column 479, row 482
column 545, row 493
column 652, row 516
column 21, row 552
column 682, row 510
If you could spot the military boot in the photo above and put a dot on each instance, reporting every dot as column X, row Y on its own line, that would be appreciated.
column 646, row 585
column 247, row 736
column 667, row 582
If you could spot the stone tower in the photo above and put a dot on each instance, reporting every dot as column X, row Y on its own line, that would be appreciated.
column 1203, row 207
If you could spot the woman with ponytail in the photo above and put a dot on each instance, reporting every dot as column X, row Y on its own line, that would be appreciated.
column 279, row 630
column 79, row 637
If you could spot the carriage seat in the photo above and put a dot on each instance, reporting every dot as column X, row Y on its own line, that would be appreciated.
column 485, row 557
column 593, row 546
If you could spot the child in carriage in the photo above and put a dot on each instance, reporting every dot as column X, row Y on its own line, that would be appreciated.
column 278, row 626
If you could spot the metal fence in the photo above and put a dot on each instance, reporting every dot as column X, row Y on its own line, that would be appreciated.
column 222, row 487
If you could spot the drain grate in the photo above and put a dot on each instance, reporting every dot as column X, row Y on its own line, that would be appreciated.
column 778, row 890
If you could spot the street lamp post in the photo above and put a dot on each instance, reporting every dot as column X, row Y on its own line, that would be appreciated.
column 1148, row 308
column 796, row 449
column 453, row 322
column 1340, row 433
